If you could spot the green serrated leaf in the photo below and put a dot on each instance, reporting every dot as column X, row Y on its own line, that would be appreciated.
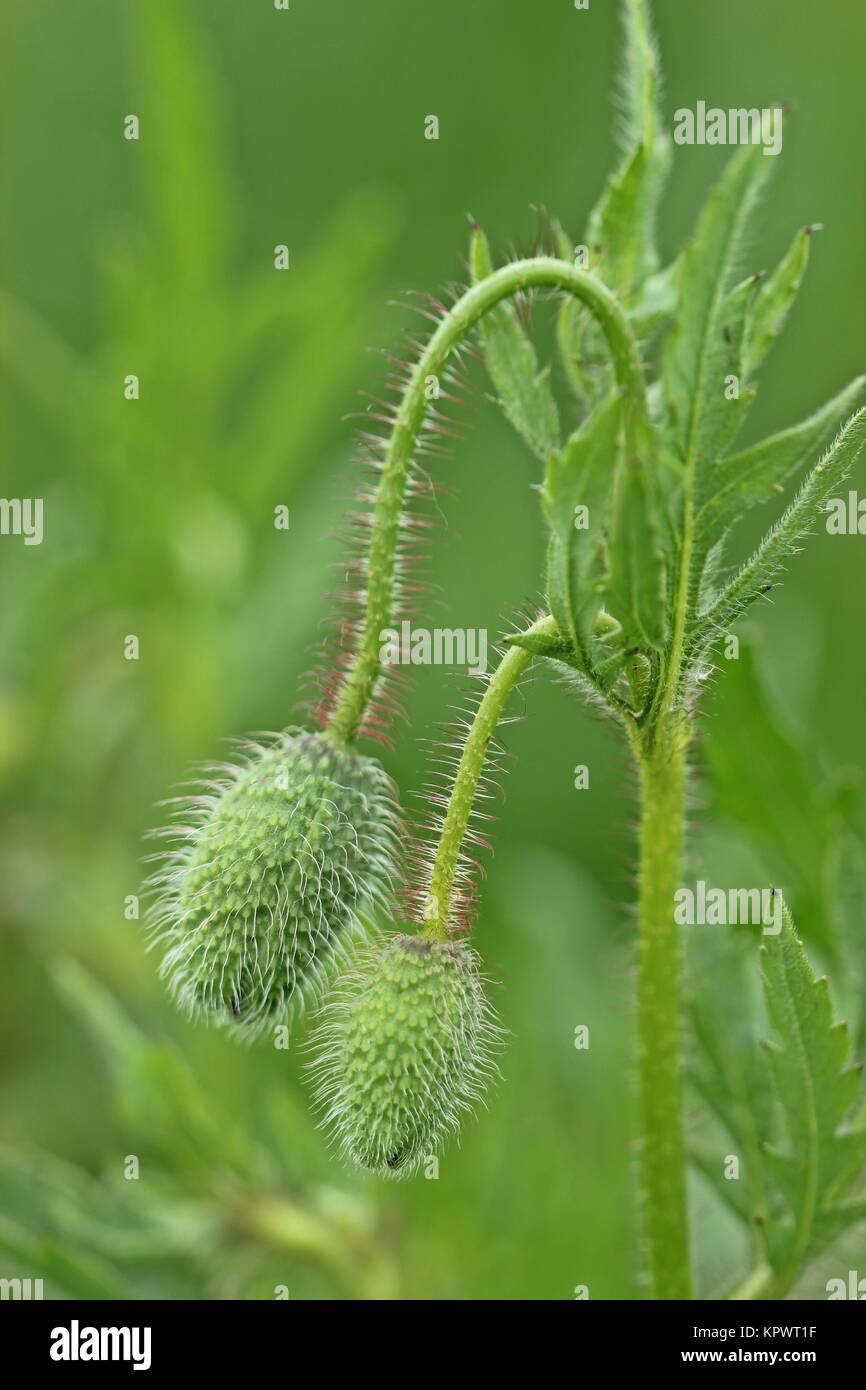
column 698, row 355
column 576, row 501
column 727, row 1069
column 745, row 480
column 775, row 298
column 817, row 1087
column 656, row 303
column 733, row 1193
column 572, row 328
column 624, row 223
column 795, row 830
column 757, row 575
column 640, row 77
column 636, row 583
column 829, row 1225
column 725, row 406
column 621, row 232
column 523, row 388
column 851, row 894
column 621, row 229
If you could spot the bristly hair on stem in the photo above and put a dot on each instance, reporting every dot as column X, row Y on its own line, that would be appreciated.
column 443, row 892
column 359, row 685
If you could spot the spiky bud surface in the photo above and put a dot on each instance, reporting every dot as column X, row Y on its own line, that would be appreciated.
column 279, row 860
column 403, row 1052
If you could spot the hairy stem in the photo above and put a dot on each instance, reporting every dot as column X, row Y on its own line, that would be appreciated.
column 360, row 682
column 440, row 894
column 663, row 1155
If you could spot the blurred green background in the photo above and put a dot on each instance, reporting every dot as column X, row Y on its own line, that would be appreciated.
column 155, row 257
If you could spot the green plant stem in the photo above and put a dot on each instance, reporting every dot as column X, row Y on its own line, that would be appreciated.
column 760, row 1283
column 447, row 858
column 382, row 564
column 663, row 1155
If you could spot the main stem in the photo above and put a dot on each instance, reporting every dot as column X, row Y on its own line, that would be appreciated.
column 663, row 1156
column 382, row 562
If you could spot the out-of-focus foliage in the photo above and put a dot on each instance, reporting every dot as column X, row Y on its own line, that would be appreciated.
column 207, row 1205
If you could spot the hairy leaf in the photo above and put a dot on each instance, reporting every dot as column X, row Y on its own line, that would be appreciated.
column 775, row 298
column 785, row 1109
column 745, row 480
column 817, row 1086
column 622, row 226
column 727, row 1069
column 726, row 403
column 699, row 351
column 576, row 501
column 621, row 233
column 524, row 391
column 636, row 593
column 767, row 780
column 758, row 574
column 655, row 305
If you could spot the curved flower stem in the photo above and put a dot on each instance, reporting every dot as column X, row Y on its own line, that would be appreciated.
column 447, row 858
column 543, row 271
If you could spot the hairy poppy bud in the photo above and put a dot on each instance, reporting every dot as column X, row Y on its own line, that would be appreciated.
column 267, row 884
column 404, row 1051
